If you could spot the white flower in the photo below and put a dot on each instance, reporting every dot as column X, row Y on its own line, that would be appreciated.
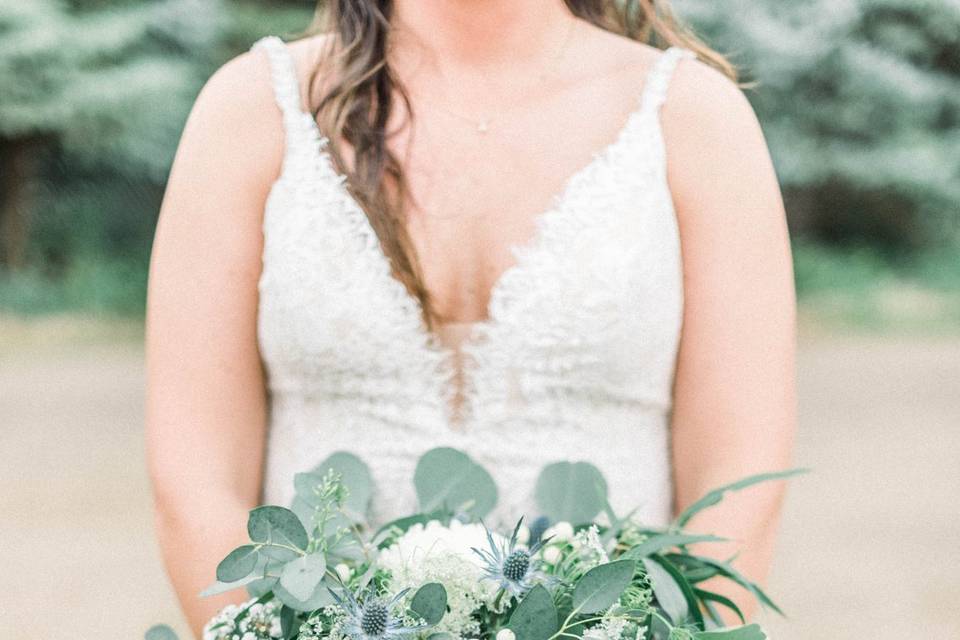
column 551, row 555
column 343, row 571
column 608, row 629
column 506, row 634
column 587, row 543
column 560, row 532
column 261, row 622
column 435, row 553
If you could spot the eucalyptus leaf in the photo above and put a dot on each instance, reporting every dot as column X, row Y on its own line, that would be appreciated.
column 277, row 525
column 714, row 497
column 442, row 635
column 430, row 602
column 749, row 632
column 571, row 491
column 602, row 585
column 160, row 632
column 279, row 554
column 448, row 478
column 662, row 541
column 354, row 475
column 318, row 599
column 238, row 564
column 301, row 576
column 535, row 618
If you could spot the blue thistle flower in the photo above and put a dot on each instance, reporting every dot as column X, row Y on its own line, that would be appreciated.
column 373, row 619
column 513, row 567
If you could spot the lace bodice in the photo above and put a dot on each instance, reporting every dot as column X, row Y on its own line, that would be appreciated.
column 575, row 362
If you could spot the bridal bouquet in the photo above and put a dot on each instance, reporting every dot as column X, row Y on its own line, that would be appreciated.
column 317, row 572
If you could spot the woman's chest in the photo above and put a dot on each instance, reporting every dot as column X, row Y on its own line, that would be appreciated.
column 590, row 303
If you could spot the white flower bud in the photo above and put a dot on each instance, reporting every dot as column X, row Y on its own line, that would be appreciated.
column 506, row 634
column 523, row 534
column 343, row 571
column 551, row 555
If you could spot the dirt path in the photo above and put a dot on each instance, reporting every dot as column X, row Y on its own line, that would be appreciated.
column 868, row 546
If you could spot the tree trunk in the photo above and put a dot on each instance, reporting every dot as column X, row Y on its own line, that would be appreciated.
column 17, row 165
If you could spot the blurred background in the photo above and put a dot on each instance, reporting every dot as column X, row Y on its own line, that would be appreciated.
column 860, row 103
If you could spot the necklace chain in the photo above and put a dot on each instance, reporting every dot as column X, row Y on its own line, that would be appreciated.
column 482, row 125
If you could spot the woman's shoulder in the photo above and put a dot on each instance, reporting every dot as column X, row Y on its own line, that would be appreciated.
column 236, row 112
column 248, row 80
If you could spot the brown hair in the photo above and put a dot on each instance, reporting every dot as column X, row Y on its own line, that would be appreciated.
column 357, row 103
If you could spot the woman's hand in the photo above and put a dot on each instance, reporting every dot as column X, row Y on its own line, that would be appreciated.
column 206, row 407
column 735, row 402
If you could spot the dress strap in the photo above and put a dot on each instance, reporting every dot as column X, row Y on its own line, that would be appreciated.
column 658, row 78
column 283, row 71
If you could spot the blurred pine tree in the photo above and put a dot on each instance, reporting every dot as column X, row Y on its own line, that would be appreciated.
column 860, row 101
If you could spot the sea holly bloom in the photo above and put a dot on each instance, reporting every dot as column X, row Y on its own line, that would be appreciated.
column 511, row 565
column 373, row 619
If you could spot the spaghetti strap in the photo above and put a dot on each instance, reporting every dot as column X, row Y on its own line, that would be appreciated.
column 658, row 78
column 283, row 72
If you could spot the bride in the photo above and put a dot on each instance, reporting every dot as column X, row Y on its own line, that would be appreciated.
column 514, row 227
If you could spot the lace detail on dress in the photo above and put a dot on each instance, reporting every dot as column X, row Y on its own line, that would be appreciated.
column 574, row 361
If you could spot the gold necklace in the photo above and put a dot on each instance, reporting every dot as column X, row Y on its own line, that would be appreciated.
column 482, row 126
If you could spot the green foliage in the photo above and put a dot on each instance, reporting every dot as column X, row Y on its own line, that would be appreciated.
column 449, row 479
column 749, row 632
column 160, row 632
column 715, row 496
column 535, row 618
column 301, row 575
column 643, row 577
column 430, row 602
column 571, row 491
column 112, row 85
column 342, row 479
column 600, row 587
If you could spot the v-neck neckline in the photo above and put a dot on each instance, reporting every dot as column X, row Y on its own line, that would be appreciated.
column 557, row 207
column 460, row 363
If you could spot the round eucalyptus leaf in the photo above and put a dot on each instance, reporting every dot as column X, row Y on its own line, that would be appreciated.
column 355, row 476
column 430, row 602
column 448, row 478
column 535, row 618
column 279, row 554
column 160, row 632
column 301, row 576
column 276, row 525
column 574, row 492
column 601, row 586
column 238, row 564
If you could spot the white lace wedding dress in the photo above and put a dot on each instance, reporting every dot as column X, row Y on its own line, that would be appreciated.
column 576, row 360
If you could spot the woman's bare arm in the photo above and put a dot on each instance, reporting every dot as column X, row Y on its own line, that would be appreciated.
column 735, row 402
column 206, row 402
